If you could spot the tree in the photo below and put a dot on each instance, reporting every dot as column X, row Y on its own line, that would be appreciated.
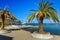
column 44, row 11
column 6, row 16
column 3, row 18
column 14, row 18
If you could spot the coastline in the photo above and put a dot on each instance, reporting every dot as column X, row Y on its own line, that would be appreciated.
column 22, row 34
column 25, row 35
column 19, row 27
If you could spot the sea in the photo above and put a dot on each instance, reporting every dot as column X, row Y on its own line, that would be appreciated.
column 53, row 28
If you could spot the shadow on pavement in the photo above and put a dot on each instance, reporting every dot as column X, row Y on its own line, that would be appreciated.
column 2, row 37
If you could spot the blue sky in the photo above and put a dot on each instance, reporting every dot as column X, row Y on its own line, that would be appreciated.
column 20, row 8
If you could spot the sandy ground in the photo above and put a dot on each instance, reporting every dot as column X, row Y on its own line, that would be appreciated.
column 23, row 35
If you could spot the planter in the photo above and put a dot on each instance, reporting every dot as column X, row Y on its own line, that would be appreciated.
column 3, row 31
column 42, row 36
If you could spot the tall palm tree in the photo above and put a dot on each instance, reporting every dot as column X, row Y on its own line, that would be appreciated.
column 44, row 11
column 5, row 15
column 3, row 18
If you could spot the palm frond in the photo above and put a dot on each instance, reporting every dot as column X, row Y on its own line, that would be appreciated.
column 52, row 16
column 5, row 10
column 47, row 4
column 38, row 17
column 54, row 12
column 33, row 10
column 31, row 17
column 45, row 15
column 42, row 5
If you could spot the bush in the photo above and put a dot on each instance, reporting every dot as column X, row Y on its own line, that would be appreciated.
column 8, row 23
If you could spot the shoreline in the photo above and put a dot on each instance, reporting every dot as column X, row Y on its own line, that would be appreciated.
column 19, row 27
column 24, row 35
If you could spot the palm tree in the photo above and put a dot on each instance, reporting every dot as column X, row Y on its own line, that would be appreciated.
column 5, row 15
column 44, row 11
column 3, row 18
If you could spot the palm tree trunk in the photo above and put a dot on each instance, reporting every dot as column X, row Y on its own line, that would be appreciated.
column 3, row 21
column 41, row 31
column 40, row 27
column 3, row 24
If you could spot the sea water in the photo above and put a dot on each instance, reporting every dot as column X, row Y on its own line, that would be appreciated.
column 53, row 28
